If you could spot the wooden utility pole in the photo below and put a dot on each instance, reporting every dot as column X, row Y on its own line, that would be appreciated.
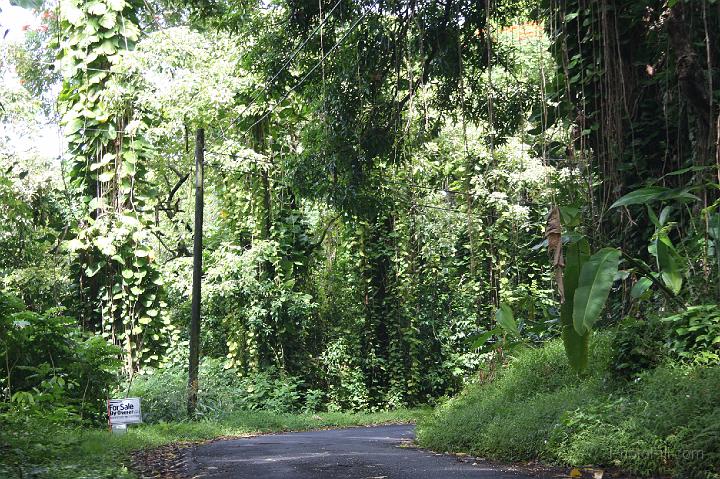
column 197, row 274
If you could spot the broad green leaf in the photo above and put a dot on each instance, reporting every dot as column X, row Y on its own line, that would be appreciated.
column 71, row 13
column 106, row 48
column 641, row 196
column 576, row 255
column 680, row 195
column 93, row 269
column 682, row 171
column 652, row 193
column 596, row 278
column 108, row 20
column 91, row 27
column 665, row 215
column 505, row 319
column 479, row 341
column 576, row 347
column 74, row 125
column 130, row 157
column 127, row 273
column 639, row 288
column 129, row 168
column 96, row 8
column 669, row 263
column 145, row 320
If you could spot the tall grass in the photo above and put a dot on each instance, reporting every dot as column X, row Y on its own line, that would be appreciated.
column 665, row 422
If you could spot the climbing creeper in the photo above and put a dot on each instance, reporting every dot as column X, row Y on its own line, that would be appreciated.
column 108, row 159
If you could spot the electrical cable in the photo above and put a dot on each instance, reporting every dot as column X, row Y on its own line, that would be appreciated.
column 294, row 54
column 305, row 77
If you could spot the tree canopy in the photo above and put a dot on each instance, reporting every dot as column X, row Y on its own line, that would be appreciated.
column 398, row 195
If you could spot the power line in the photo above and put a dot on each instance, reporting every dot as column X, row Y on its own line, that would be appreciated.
column 317, row 65
column 294, row 54
column 305, row 77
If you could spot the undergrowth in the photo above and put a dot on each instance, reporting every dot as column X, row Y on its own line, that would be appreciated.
column 35, row 448
column 222, row 391
column 665, row 421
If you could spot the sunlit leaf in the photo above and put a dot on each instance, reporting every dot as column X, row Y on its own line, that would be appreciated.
column 576, row 345
column 505, row 319
column 669, row 263
column 596, row 278
column 639, row 288
column 652, row 193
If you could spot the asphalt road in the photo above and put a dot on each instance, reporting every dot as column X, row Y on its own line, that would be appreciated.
column 383, row 452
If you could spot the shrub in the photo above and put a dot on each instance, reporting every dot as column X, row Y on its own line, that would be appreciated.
column 638, row 345
column 694, row 334
column 53, row 369
column 164, row 392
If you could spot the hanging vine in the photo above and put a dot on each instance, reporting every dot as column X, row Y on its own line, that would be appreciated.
column 108, row 154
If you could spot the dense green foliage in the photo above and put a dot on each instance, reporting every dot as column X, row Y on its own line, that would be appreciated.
column 383, row 184
column 51, row 367
column 223, row 391
column 663, row 423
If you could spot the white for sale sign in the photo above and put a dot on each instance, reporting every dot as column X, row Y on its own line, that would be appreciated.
column 124, row 411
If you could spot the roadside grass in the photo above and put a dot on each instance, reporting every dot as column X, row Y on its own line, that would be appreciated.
column 32, row 448
column 664, row 423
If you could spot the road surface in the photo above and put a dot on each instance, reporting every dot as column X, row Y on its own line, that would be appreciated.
column 382, row 452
